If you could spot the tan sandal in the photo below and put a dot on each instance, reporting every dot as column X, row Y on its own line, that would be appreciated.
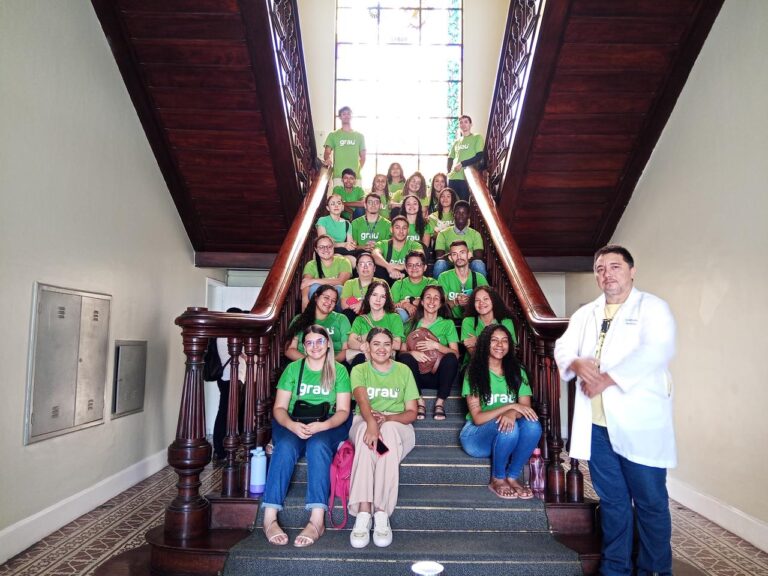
column 501, row 489
column 304, row 539
column 275, row 535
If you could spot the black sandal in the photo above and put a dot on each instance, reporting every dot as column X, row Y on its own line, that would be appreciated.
column 439, row 412
column 421, row 410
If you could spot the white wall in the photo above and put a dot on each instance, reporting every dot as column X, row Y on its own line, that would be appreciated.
column 82, row 205
column 697, row 226
column 484, row 22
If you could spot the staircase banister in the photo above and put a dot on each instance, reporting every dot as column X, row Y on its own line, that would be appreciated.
column 275, row 289
column 536, row 308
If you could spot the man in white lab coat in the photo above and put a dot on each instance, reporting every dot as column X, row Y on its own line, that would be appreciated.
column 619, row 347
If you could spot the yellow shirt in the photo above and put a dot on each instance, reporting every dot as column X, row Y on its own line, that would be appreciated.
column 598, row 414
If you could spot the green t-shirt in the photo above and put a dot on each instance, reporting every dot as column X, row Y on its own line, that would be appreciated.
column 387, row 391
column 352, row 288
column 391, row 321
column 338, row 328
column 500, row 396
column 463, row 149
column 363, row 231
column 395, row 187
column 473, row 326
column 452, row 286
column 440, row 225
column 310, row 388
column 397, row 256
column 443, row 328
column 336, row 230
column 354, row 195
column 448, row 236
column 404, row 288
column 339, row 265
column 413, row 234
column 346, row 148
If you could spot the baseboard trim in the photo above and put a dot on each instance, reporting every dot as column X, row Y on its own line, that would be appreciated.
column 19, row 536
column 747, row 527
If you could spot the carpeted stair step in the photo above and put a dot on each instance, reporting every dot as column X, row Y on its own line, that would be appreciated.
column 461, row 553
column 448, row 508
column 432, row 465
column 454, row 404
column 431, row 432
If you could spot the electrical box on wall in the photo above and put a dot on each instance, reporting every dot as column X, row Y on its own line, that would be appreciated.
column 67, row 361
column 130, row 375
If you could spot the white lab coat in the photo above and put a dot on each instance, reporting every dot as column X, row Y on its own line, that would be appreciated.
column 637, row 349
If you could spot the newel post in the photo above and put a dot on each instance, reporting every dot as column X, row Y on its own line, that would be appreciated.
column 186, row 517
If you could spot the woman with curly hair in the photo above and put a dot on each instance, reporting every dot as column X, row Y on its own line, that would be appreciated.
column 433, row 314
column 484, row 307
column 376, row 311
column 500, row 423
column 395, row 178
column 319, row 311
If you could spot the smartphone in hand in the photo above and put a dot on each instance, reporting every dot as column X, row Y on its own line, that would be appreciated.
column 381, row 448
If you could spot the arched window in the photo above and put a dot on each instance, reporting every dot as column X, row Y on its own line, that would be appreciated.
column 399, row 67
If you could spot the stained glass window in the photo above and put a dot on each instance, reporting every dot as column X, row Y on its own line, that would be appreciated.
column 399, row 67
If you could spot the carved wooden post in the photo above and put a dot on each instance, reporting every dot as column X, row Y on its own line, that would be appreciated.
column 542, row 391
column 230, row 475
column 187, row 515
column 248, row 437
column 262, row 393
column 555, row 471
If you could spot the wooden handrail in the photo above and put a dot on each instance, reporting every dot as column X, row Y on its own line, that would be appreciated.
column 537, row 328
column 537, row 310
column 277, row 285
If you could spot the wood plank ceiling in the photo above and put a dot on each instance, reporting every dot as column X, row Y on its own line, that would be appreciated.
column 600, row 94
column 201, row 76
column 604, row 80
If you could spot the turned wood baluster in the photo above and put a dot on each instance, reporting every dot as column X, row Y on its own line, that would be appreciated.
column 230, row 474
column 248, row 437
column 263, row 427
column 574, row 482
column 541, row 391
column 555, row 470
column 187, row 515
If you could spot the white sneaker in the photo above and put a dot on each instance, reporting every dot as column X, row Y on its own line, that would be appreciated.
column 361, row 532
column 382, row 533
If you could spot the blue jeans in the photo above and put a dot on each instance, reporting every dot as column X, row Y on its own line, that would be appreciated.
column 620, row 483
column 443, row 264
column 288, row 448
column 508, row 450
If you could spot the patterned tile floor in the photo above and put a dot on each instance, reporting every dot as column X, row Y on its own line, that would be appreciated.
column 119, row 525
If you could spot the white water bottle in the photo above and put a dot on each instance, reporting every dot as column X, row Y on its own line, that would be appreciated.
column 258, row 471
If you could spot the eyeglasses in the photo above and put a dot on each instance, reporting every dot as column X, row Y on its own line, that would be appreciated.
column 325, row 247
column 416, row 265
column 317, row 343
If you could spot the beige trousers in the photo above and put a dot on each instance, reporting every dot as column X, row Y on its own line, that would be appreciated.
column 376, row 478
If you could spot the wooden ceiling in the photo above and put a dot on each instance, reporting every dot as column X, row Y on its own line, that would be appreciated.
column 605, row 77
column 202, row 77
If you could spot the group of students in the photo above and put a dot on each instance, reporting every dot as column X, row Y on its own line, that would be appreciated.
column 350, row 347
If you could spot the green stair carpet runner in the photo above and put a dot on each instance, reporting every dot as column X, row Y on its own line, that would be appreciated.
column 445, row 513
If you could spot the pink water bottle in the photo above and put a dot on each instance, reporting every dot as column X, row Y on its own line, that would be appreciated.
column 537, row 473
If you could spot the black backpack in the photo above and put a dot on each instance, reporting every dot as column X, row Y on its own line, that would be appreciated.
column 213, row 369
